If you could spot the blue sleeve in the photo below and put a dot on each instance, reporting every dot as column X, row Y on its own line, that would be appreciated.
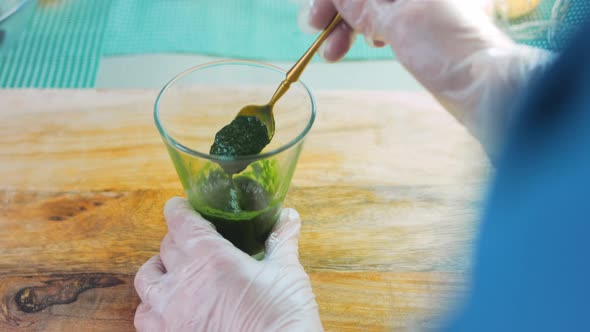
column 532, row 260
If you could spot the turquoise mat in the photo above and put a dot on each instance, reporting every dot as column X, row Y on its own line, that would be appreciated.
column 250, row 29
column 61, row 47
column 65, row 40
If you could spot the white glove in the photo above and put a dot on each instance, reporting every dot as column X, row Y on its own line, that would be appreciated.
column 201, row 282
column 452, row 47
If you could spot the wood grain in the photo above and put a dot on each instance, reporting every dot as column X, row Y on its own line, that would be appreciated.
column 388, row 187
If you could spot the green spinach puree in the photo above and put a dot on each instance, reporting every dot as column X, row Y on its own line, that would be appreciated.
column 241, row 206
column 245, row 135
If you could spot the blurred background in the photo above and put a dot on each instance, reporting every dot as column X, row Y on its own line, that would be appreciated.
column 143, row 43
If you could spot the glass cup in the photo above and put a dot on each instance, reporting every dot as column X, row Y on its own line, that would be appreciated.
column 196, row 104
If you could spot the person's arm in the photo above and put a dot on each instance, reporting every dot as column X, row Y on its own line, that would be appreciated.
column 531, row 270
column 452, row 47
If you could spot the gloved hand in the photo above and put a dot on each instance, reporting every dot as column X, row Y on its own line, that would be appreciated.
column 452, row 47
column 201, row 282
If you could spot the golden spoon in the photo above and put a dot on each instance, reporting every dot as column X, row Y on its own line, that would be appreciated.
column 264, row 112
column 245, row 134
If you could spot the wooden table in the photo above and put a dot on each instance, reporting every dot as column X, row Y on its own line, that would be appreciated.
column 388, row 187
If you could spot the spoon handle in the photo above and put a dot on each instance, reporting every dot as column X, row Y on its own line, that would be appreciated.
column 295, row 72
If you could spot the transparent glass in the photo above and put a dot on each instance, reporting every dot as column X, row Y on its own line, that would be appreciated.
column 196, row 104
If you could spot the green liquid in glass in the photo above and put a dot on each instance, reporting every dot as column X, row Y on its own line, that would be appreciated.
column 241, row 209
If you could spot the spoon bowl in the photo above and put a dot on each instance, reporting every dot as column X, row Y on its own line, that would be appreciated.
column 263, row 113
column 237, row 136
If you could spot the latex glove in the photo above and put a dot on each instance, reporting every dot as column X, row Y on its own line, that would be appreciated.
column 452, row 47
column 201, row 282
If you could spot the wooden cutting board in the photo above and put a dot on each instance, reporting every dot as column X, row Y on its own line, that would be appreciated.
column 388, row 187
